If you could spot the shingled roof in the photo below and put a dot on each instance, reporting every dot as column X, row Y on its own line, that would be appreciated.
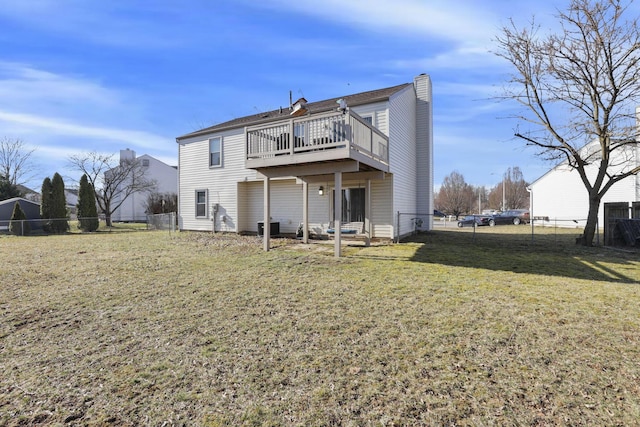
column 369, row 97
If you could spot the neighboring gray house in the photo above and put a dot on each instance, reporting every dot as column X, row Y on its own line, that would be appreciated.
column 30, row 209
column 373, row 150
column 165, row 177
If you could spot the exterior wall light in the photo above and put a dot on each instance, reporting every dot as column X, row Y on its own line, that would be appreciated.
column 321, row 191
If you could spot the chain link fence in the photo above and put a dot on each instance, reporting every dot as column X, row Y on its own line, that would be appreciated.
column 167, row 221
column 27, row 227
column 410, row 224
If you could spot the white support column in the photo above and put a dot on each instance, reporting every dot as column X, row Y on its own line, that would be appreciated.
column 305, row 211
column 337, row 214
column 368, row 227
column 266, row 229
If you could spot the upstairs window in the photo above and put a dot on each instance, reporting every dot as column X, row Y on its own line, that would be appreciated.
column 215, row 152
column 145, row 163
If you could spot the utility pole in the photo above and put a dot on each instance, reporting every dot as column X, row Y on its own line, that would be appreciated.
column 504, row 199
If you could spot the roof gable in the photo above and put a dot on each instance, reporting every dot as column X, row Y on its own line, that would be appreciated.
column 13, row 200
column 158, row 161
column 369, row 97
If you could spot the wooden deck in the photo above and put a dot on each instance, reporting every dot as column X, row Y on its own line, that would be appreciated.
column 325, row 137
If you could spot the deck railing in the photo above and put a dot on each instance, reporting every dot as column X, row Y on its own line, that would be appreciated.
column 328, row 131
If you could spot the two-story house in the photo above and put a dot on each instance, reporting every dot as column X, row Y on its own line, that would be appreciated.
column 165, row 177
column 359, row 159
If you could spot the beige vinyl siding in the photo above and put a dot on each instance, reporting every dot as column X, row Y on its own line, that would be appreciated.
column 286, row 204
column 403, row 154
column 378, row 112
column 382, row 218
column 220, row 182
column 424, row 147
column 240, row 194
column 381, row 199
column 243, row 204
column 319, row 207
column 382, row 206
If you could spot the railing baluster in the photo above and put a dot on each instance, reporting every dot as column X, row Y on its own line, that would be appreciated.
column 326, row 131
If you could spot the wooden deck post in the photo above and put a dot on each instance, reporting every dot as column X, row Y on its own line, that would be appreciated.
column 305, row 211
column 337, row 214
column 368, row 228
column 266, row 226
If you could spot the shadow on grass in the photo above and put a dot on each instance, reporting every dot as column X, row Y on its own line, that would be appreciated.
column 512, row 249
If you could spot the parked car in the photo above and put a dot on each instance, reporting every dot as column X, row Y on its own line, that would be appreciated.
column 438, row 214
column 471, row 220
column 512, row 216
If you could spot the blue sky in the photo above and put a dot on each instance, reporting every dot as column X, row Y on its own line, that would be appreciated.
column 82, row 75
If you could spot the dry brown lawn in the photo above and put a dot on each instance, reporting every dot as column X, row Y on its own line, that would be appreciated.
column 152, row 328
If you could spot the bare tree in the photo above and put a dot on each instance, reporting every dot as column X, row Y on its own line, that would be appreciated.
column 15, row 160
column 455, row 196
column 511, row 192
column 158, row 203
column 579, row 88
column 113, row 182
column 481, row 197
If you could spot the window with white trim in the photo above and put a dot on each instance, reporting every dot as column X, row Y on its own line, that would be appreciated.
column 368, row 119
column 201, row 203
column 215, row 152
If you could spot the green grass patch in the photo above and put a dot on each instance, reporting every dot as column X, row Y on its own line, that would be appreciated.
column 450, row 328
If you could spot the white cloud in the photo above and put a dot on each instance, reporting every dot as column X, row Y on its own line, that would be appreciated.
column 25, row 87
column 464, row 21
column 61, row 127
column 37, row 101
column 461, row 58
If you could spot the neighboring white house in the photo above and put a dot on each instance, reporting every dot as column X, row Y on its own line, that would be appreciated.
column 165, row 177
column 561, row 196
column 282, row 167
